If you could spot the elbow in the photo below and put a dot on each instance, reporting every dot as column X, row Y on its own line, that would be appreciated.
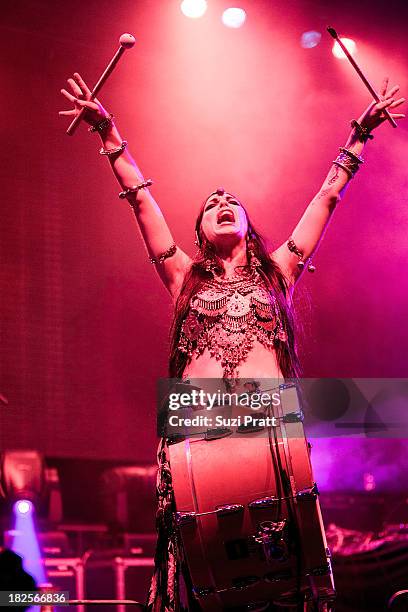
column 328, row 198
column 332, row 200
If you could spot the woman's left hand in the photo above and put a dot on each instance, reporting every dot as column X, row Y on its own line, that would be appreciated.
column 374, row 116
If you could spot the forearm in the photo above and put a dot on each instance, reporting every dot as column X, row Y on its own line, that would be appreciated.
column 152, row 224
column 314, row 221
column 337, row 180
column 312, row 226
column 123, row 165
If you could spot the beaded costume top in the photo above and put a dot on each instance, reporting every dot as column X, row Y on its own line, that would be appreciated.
column 226, row 316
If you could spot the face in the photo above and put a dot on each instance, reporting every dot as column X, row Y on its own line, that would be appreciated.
column 223, row 218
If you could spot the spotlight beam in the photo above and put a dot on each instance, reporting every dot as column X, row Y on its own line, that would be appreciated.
column 356, row 67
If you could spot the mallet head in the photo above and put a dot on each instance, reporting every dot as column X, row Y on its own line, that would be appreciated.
column 332, row 32
column 127, row 41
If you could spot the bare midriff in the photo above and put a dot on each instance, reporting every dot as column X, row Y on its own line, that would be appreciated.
column 260, row 363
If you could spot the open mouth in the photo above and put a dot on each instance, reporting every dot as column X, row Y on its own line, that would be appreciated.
column 225, row 216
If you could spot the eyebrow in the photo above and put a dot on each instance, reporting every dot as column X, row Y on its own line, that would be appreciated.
column 215, row 198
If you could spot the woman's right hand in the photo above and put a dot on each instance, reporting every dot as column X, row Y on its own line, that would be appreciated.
column 81, row 98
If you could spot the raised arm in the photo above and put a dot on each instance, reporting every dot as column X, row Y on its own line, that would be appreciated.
column 171, row 262
column 309, row 231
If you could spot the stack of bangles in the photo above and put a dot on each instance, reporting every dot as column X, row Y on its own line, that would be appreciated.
column 348, row 161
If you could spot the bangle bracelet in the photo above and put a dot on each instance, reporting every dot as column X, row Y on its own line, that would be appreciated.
column 363, row 133
column 356, row 158
column 348, row 161
column 104, row 123
column 115, row 151
column 301, row 263
column 169, row 253
column 345, row 168
column 135, row 189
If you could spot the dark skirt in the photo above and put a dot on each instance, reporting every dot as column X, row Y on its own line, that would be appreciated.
column 170, row 588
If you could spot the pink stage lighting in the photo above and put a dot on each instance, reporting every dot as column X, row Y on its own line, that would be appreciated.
column 193, row 8
column 23, row 507
column 348, row 43
column 310, row 39
column 23, row 540
column 234, row 17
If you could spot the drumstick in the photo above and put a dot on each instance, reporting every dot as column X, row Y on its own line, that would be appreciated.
column 366, row 82
column 126, row 41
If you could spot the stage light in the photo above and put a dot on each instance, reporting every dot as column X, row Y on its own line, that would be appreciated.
column 23, row 507
column 310, row 39
column 23, row 484
column 348, row 43
column 234, row 17
column 193, row 8
column 22, row 475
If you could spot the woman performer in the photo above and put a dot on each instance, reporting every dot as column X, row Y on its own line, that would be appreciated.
column 232, row 300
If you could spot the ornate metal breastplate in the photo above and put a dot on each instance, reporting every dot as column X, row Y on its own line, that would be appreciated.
column 226, row 316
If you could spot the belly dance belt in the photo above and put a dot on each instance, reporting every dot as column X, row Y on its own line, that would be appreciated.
column 226, row 316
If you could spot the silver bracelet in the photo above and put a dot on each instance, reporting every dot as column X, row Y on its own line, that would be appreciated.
column 169, row 253
column 301, row 263
column 115, row 151
column 103, row 124
column 363, row 133
column 135, row 188
column 354, row 156
column 346, row 169
column 348, row 161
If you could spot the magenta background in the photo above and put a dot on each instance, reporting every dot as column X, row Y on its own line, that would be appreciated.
column 83, row 318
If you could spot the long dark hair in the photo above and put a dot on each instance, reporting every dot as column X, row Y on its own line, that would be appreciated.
column 204, row 263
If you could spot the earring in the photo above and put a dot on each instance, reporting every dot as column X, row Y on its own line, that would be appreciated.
column 209, row 265
column 254, row 261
